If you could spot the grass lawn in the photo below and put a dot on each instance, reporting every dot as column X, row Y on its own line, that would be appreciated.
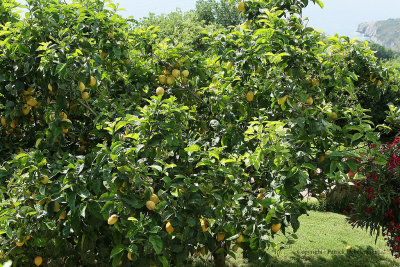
column 323, row 241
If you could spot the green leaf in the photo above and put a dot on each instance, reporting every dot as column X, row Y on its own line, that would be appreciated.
column 117, row 250
column 192, row 148
column 164, row 261
column 157, row 243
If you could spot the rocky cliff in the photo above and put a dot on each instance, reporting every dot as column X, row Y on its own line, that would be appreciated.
column 386, row 32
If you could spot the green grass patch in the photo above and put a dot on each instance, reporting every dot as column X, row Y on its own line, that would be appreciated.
column 324, row 238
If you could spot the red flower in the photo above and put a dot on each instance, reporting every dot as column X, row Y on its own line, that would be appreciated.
column 369, row 195
column 367, row 209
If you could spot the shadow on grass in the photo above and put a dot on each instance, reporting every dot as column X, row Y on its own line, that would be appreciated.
column 356, row 256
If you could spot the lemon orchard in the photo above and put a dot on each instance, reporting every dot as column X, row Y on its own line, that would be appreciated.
column 155, row 154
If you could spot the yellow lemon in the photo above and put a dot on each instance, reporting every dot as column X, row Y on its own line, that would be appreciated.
column 260, row 196
column 160, row 91
column 112, row 219
column 162, row 79
column 63, row 215
column 38, row 260
column 111, row 35
column 26, row 108
column 150, row 205
column 379, row 83
column 220, row 237
column 282, row 100
column 229, row 65
column 50, row 87
column 93, row 81
column 63, row 115
column 185, row 81
column 240, row 239
column 154, row 198
column 20, row 244
column 130, row 256
column 276, row 227
column 45, row 179
column 185, row 73
column 169, row 228
column 203, row 223
column 13, row 124
column 31, row 101
column 241, row 7
column 85, row 95
column 3, row 121
column 310, row 101
column 315, row 82
column 81, row 87
column 250, row 96
column 170, row 80
column 176, row 73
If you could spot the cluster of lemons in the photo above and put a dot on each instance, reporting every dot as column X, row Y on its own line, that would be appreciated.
column 375, row 80
column 168, row 78
column 82, row 87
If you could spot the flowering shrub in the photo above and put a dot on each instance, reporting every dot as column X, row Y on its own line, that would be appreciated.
column 377, row 206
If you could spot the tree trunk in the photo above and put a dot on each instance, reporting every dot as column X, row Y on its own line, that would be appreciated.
column 219, row 259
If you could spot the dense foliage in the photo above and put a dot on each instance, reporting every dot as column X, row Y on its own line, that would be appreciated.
column 377, row 206
column 101, row 167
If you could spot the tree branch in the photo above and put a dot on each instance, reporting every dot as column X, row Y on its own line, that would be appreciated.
column 86, row 106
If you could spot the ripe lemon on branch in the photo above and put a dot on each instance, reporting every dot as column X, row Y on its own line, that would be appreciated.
column 169, row 227
column 282, row 100
column 112, row 219
column 203, row 223
column 154, row 198
column 250, row 96
column 276, row 227
column 241, row 7
column 185, row 73
column 150, row 205
column 220, row 237
column 160, row 91
column 93, row 81
column 81, row 87
column 85, row 95
column 38, row 260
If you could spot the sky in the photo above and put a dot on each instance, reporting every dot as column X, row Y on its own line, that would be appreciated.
column 343, row 16
column 337, row 16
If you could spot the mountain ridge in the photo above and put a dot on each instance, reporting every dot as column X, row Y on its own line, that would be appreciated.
column 384, row 32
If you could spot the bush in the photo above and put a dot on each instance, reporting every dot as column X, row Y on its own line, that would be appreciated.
column 100, row 166
column 377, row 206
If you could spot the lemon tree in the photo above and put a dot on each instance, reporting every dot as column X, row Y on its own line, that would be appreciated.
column 122, row 148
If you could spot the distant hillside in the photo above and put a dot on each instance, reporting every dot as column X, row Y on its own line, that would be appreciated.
column 385, row 32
